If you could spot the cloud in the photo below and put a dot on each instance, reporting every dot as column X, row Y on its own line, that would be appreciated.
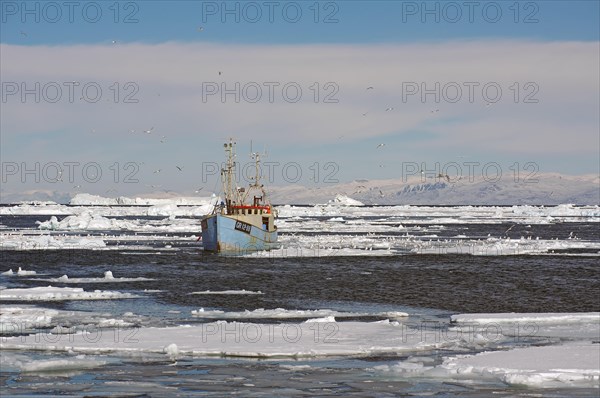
column 549, row 100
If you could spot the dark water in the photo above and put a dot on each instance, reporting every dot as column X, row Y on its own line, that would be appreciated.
column 456, row 283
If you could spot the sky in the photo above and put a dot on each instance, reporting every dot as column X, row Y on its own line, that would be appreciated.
column 132, row 97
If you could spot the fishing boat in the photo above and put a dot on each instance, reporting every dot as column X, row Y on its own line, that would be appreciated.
column 244, row 220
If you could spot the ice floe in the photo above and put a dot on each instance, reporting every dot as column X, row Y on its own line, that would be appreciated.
column 281, row 313
column 108, row 278
column 50, row 293
column 242, row 291
column 575, row 364
column 237, row 339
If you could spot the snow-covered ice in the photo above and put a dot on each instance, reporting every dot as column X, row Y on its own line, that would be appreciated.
column 59, row 293
column 574, row 364
column 108, row 278
column 281, row 313
column 242, row 291
column 221, row 338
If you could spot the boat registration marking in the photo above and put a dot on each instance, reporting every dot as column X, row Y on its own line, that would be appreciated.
column 242, row 226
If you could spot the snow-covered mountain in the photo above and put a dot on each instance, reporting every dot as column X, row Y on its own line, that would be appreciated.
column 547, row 189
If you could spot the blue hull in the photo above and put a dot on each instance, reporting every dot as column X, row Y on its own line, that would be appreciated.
column 219, row 234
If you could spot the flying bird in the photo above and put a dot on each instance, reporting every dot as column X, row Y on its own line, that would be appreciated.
column 380, row 145
column 157, row 171
column 370, row 88
column 179, row 168
column 149, row 131
column 446, row 176
column 389, row 109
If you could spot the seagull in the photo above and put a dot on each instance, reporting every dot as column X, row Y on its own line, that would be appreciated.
column 198, row 190
column 511, row 227
column 381, row 193
column 365, row 114
column 149, row 131
column 381, row 166
column 220, row 73
column 380, row 145
column 76, row 186
column 389, row 109
column 157, row 171
column 435, row 111
column 23, row 33
column 200, row 28
column 370, row 88
column 114, row 42
column 446, row 176
column 179, row 168
column 162, row 140
column 111, row 190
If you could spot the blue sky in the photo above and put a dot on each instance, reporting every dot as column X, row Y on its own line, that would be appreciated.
column 542, row 55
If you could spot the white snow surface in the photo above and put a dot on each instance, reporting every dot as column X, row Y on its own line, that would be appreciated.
column 59, row 294
column 95, row 200
column 547, row 317
column 240, row 339
column 242, row 291
column 108, row 278
column 281, row 313
column 20, row 272
column 574, row 364
column 572, row 360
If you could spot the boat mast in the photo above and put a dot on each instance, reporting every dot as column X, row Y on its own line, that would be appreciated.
column 256, row 186
column 228, row 176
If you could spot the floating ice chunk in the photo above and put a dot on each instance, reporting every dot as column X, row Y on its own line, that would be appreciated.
column 324, row 319
column 281, row 313
column 108, row 278
column 243, row 291
column 343, row 200
column 575, row 364
column 59, row 293
column 549, row 317
column 242, row 339
column 60, row 365
column 22, row 272
column 9, row 272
